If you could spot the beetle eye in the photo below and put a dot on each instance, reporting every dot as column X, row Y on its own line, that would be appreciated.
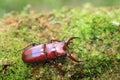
column 64, row 47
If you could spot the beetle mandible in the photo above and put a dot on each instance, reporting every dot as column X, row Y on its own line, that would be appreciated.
column 47, row 52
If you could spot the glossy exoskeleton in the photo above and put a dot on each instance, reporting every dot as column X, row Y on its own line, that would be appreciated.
column 47, row 52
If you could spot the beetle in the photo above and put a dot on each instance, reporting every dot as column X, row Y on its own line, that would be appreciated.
column 47, row 52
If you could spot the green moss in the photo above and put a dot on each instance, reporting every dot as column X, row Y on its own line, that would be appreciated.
column 98, row 46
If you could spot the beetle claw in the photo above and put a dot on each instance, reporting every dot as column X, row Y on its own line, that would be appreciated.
column 72, row 58
column 68, row 41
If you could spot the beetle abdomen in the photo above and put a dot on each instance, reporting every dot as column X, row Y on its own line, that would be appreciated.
column 34, row 55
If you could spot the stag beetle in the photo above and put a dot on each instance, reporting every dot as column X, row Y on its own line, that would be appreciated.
column 47, row 52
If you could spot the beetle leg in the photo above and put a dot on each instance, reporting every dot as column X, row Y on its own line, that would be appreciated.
column 34, row 68
column 58, row 67
column 32, row 44
column 72, row 58
column 51, row 41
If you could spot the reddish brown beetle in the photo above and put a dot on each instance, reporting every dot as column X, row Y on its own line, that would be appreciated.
column 47, row 52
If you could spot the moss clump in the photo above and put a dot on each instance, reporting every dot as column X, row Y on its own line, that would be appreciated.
column 98, row 45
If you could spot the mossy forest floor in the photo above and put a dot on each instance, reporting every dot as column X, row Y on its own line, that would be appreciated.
column 98, row 45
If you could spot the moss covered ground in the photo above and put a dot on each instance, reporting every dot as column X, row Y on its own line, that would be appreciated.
column 98, row 45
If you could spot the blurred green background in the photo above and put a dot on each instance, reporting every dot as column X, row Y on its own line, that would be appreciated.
column 39, row 5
